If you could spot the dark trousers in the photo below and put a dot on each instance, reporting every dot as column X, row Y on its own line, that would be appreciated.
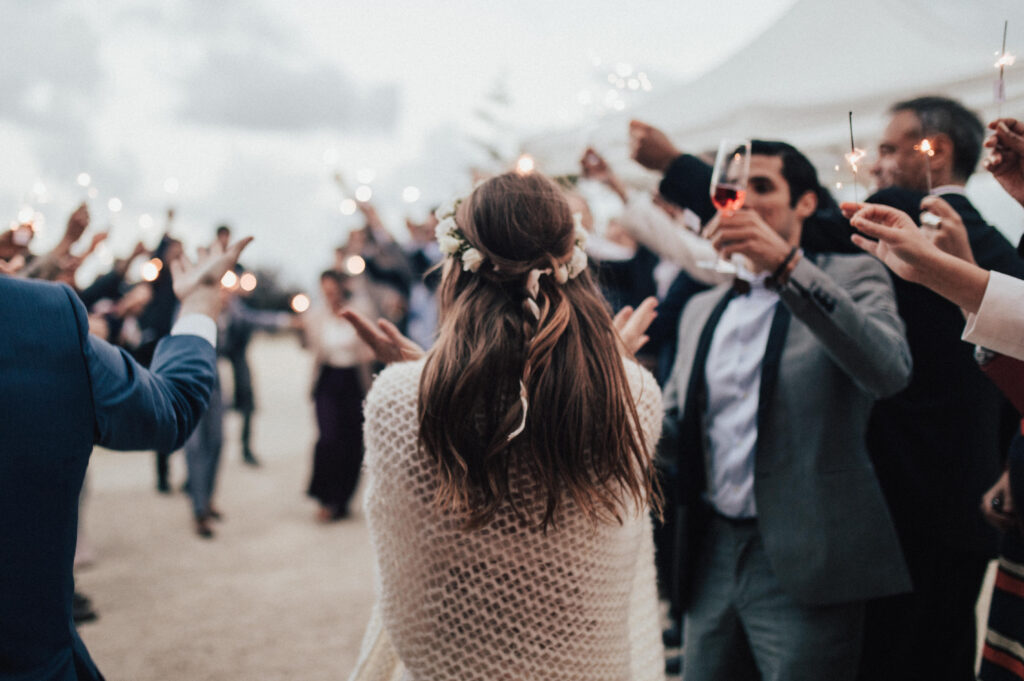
column 338, row 455
column 930, row 633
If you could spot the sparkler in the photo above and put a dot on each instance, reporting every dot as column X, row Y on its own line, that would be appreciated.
column 853, row 158
column 1005, row 59
column 925, row 147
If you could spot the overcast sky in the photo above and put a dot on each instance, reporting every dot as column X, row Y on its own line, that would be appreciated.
column 246, row 105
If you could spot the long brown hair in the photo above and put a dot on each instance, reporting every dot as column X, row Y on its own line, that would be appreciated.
column 582, row 436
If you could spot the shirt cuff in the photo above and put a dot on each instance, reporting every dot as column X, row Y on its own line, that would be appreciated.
column 196, row 325
column 1002, row 302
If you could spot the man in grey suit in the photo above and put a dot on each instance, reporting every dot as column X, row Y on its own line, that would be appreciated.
column 767, row 408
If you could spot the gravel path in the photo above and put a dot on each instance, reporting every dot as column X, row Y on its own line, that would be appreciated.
column 273, row 596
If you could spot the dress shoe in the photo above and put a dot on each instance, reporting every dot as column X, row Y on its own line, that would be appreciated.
column 203, row 528
column 249, row 458
column 674, row 665
column 81, row 609
column 673, row 636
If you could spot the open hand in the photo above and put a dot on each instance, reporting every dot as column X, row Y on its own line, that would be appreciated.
column 197, row 285
column 632, row 324
column 900, row 244
column 387, row 342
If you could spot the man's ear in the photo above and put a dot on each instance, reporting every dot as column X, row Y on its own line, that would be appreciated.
column 942, row 156
column 806, row 205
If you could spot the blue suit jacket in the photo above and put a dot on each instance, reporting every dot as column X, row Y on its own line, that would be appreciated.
column 62, row 391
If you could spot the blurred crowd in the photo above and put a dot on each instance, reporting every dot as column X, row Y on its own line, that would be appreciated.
column 837, row 477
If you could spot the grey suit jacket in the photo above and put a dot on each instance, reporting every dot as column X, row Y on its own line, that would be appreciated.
column 838, row 347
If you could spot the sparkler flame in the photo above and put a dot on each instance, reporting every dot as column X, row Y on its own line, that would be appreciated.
column 1006, row 59
column 925, row 147
column 853, row 157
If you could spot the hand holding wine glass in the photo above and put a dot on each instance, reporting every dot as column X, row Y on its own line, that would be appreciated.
column 729, row 186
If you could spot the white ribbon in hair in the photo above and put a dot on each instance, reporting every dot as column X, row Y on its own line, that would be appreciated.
column 526, row 405
column 533, row 288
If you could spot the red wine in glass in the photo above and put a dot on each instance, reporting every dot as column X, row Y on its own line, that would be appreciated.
column 728, row 197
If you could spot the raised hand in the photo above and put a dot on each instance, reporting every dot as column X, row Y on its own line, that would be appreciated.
column 197, row 285
column 77, row 224
column 594, row 167
column 745, row 232
column 632, row 324
column 900, row 244
column 949, row 234
column 387, row 342
column 1006, row 160
column 650, row 147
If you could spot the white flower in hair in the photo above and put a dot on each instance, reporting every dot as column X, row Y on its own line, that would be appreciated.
column 445, row 227
column 578, row 262
column 449, row 244
column 562, row 273
column 472, row 259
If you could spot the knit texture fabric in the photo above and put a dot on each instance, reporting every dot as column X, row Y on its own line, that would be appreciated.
column 505, row 601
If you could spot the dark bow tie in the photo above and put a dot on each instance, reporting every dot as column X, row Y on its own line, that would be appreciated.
column 740, row 287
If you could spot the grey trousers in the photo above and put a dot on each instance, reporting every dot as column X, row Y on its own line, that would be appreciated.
column 202, row 454
column 741, row 625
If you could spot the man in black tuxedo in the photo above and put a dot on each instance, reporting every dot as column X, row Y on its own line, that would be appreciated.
column 936, row 445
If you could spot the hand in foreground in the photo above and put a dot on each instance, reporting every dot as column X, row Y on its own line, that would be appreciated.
column 197, row 285
column 650, row 147
column 632, row 324
column 950, row 234
column 1006, row 160
column 997, row 505
column 746, row 233
column 901, row 244
column 387, row 342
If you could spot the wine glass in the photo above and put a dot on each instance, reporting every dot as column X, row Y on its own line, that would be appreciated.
column 729, row 186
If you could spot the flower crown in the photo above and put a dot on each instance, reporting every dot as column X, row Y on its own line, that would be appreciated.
column 452, row 242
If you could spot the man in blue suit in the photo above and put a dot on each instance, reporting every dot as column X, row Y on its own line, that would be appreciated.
column 62, row 391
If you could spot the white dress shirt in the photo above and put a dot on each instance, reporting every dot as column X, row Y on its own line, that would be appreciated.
column 999, row 323
column 733, row 374
column 196, row 325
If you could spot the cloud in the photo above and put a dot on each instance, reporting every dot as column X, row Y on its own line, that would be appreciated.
column 272, row 89
column 51, row 71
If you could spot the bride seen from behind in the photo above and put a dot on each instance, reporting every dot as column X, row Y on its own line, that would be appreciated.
column 509, row 470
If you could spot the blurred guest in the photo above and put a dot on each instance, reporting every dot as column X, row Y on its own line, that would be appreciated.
column 424, row 255
column 342, row 361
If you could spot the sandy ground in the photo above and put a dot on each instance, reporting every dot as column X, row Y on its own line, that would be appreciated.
column 273, row 596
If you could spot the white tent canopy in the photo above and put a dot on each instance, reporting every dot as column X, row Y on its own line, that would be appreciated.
column 797, row 81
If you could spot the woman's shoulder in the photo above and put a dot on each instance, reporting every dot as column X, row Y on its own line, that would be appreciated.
column 641, row 382
column 396, row 383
